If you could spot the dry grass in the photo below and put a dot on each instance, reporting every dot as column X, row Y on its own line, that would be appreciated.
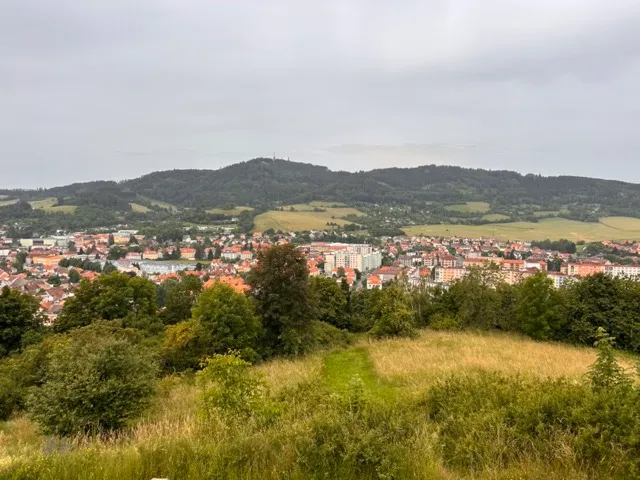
column 302, row 220
column 230, row 211
column 609, row 228
column 4, row 203
column 285, row 373
column 417, row 363
column 136, row 207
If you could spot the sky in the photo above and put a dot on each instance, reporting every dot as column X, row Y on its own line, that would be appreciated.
column 113, row 89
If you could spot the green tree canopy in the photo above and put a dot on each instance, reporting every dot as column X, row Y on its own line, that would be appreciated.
column 109, row 297
column 20, row 320
column 280, row 288
column 539, row 307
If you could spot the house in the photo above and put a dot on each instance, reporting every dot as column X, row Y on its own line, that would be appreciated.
column 151, row 255
column 134, row 256
column 188, row 253
column 374, row 281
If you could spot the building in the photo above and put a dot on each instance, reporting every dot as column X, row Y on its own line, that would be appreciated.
column 188, row 253
column 353, row 258
column 625, row 271
column 558, row 279
column 374, row 281
column 449, row 274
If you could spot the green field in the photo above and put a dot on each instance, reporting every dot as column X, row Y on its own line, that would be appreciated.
column 303, row 218
column 49, row 205
column 470, row 207
column 136, row 207
column 609, row 228
column 230, row 211
column 159, row 203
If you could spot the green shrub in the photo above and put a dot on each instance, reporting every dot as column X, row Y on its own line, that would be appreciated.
column 92, row 384
column 232, row 389
column 444, row 321
column 328, row 336
column 489, row 420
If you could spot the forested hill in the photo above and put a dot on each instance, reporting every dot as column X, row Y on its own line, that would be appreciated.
column 267, row 182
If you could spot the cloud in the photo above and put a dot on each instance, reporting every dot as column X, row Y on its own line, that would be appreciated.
column 547, row 87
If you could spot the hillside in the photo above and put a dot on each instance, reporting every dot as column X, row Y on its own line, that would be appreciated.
column 393, row 197
column 396, row 377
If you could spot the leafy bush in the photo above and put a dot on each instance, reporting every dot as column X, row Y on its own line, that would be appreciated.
column 92, row 384
column 328, row 336
column 231, row 389
column 444, row 321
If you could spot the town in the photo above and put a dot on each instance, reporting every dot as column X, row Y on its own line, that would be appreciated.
column 51, row 267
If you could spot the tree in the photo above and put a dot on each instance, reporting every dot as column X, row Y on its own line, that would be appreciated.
column 71, row 246
column 222, row 320
column 210, row 254
column 392, row 314
column 111, row 240
column 474, row 299
column 20, row 321
column 539, row 308
column 110, row 297
column 180, row 299
column 218, row 251
column 229, row 319
column 329, row 302
column 109, row 268
column 74, row 276
column 279, row 285
column 95, row 381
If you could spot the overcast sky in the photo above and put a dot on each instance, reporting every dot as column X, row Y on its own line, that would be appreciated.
column 112, row 89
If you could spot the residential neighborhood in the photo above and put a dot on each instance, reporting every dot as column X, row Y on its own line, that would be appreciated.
column 52, row 267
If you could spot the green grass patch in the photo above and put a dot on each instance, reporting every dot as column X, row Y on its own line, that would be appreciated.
column 49, row 205
column 470, row 207
column 340, row 367
column 159, row 203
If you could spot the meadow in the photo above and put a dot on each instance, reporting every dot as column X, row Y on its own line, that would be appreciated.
column 609, row 228
column 470, row 207
column 229, row 211
column 357, row 412
column 303, row 217
column 49, row 205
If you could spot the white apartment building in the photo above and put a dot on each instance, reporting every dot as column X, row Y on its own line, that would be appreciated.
column 628, row 271
column 360, row 257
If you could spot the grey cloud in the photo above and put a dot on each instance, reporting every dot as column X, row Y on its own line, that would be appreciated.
column 115, row 89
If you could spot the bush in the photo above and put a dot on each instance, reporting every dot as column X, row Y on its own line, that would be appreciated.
column 489, row 421
column 328, row 336
column 231, row 389
column 92, row 384
column 444, row 321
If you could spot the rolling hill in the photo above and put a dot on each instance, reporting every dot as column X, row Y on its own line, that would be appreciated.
column 397, row 197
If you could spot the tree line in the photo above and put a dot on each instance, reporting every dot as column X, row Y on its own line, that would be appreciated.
column 119, row 333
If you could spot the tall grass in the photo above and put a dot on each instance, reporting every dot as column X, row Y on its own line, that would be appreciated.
column 402, row 420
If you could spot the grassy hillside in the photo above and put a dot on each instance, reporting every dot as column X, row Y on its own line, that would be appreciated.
column 322, row 394
column 609, row 228
column 303, row 217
